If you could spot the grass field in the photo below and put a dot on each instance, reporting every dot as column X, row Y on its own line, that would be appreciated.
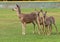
column 10, row 27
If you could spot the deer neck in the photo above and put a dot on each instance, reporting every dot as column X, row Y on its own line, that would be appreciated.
column 18, row 12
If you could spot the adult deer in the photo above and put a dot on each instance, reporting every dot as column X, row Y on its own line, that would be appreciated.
column 48, row 21
column 27, row 18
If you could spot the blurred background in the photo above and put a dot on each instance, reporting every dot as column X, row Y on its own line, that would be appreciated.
column 30, row 4
column 29, row 0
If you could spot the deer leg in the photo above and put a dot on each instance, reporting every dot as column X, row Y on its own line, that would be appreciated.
column 43, row 29
column 34, row 27
column 38, row 23
column 47, row 30
column 23, row 28
column 56, row 28
column 43, row 26
column 50, row 28
column 39, row 30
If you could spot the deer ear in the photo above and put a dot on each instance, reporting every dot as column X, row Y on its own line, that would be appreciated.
column 17, row 5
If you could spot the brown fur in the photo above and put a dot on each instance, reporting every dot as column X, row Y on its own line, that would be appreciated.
column 48, row 21
column 41, row 20
column 27, row 18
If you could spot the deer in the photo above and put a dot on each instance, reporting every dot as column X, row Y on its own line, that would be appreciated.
column 41, row 22
column 26, row 18
column 48, row 22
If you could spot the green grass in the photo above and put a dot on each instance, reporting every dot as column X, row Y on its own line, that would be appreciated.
column 10, row 27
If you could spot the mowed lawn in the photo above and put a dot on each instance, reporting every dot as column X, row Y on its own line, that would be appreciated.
column 10, row 27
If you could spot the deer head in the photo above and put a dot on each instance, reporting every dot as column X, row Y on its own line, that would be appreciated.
column 44, row 14
column 17, row 9
column 37, row 12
